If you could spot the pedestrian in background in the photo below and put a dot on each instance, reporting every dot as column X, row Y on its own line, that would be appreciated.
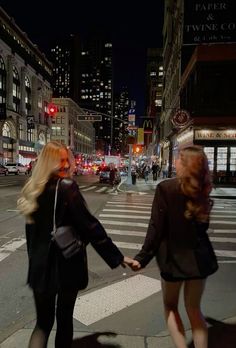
column 177, row 235
column 155, row 170
column 164, row 169
column 54, row 279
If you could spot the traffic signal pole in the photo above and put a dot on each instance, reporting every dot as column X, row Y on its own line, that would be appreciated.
column 129, row 178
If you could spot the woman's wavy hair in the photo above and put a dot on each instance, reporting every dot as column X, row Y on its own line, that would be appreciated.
column 47, row 165
column 195, row 182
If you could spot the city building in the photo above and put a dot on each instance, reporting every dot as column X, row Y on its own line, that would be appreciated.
column 69, row 130
column 83, row 72
column 154, row 88
column 25, row 93
column 199, row 105
column 122, row 105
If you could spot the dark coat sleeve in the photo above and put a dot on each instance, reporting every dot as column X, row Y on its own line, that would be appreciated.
column 90, row 229
column 156, row 229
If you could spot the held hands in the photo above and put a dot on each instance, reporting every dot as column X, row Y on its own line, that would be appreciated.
column 133, row 264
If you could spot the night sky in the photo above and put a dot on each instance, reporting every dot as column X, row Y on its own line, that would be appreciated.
column 133, row 27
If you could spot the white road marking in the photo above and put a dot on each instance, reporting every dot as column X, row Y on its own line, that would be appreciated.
column 101, row 189
column 12, row 210
column 123, row 223
column 227, row 253
column 128, row 206
column 125, row 216
column 127, row 211
column 221, row 210
column 223, row 216
column 226, row 261
column 223, row 231
column 111, row 299
column 223, row 239
column 126, row 245
column 126, row 232
column 11, row 246
column 89, row 188
column 82, row 186
column 223, row 222
column 130, row 203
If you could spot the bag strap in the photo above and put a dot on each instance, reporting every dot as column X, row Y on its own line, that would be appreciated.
column 55, row 207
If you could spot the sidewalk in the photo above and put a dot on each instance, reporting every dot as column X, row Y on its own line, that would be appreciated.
column 142, row 187
column 221, row 334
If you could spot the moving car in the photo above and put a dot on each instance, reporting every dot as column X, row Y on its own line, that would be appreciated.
column 14, row 168
column 104, row 175
column 3, row 170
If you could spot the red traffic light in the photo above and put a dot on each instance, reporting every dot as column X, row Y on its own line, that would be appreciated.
column 52, row 109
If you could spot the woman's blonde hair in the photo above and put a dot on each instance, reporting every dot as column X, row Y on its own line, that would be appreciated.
column 195, row 181
column 47, row 165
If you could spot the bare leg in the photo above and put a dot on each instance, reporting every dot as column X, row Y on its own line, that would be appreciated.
column 193, row 290
column 175, row 326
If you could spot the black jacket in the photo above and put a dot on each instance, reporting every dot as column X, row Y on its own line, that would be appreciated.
column 48, row 269
column 181, row 246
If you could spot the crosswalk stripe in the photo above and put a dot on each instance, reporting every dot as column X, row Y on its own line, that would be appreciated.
column 130, row 203
column 7, row 248
column 224, row 216
column 126, row 232
column 113, row 298
column 128, row 206
column 125, row 216
column 223, row 231
column 223, row 239
column 227, row 253
column 126, row 211
column 223, row 222
column 82, row 186
column 122, row 223
column 127, row 245
column 101, row 189
column 89, row 188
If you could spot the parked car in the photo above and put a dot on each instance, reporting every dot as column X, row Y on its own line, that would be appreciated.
column 104, row 175
column 3, row 170
column 14, row 168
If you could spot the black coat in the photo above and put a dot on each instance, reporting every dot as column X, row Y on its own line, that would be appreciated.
column 181, row 246
column 48, row 269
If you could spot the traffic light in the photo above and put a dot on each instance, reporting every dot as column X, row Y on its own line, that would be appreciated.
column 137, row 149
column 52, row 110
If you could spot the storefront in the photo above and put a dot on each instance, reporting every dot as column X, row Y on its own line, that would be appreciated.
column 220, row 148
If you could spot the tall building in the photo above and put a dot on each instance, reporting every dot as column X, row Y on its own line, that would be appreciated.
column 199, row 105
column 122, row 105
column 83, row 72
column 25, row 94
column 154, row 88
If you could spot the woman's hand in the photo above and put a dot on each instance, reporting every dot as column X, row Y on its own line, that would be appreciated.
column 133, row 264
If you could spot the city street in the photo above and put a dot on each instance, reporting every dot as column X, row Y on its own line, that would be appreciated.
column 115, row 300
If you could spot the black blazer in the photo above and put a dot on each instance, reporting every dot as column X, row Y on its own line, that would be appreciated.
column 48, row 269
column 181, row 246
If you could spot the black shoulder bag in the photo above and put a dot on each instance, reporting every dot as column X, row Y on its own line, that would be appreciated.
column 65, row 237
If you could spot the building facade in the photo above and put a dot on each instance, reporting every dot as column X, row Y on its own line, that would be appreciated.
column 25, row 93
column 68, row 130
column 199, row 105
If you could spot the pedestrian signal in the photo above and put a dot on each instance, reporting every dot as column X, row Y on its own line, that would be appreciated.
column 52, row 110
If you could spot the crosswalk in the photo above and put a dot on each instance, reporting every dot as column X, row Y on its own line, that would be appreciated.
column 126, row 220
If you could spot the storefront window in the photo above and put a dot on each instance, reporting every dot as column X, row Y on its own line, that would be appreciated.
column 221, row 159
column 233, row 159
column 209, row 151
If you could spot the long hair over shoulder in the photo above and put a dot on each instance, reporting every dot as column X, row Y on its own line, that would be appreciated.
column 195, row 182
column 47, row 165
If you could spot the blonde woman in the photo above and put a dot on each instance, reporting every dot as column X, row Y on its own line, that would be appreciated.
column 54, row 279
column 177, row 235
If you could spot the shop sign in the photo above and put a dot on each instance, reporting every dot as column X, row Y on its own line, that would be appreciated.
column 181, row 118
column 30, row 122
column 209, row 22
column 147, row 125
column 215, row 134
